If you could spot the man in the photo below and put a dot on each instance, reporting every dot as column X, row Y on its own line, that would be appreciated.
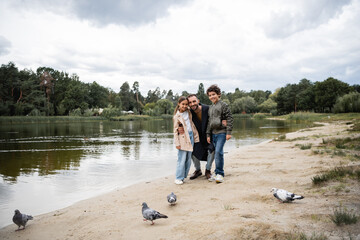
column 203, row 151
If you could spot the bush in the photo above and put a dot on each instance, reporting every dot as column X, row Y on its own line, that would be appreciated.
column 348, row 103
column 261, row 115
column 110, row 112
column 35, row 112
column 75, row 112
column 342, row 216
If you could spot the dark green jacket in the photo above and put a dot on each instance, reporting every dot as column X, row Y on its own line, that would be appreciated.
column 218, row 112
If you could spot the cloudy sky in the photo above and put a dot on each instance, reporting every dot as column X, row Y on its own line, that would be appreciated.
column 177, row 44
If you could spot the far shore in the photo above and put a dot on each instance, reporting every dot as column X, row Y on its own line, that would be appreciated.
column 240, row 208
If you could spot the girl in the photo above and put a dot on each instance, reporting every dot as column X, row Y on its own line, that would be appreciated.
column 183, row 142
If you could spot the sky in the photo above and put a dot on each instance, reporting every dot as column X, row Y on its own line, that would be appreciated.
column 178, row 44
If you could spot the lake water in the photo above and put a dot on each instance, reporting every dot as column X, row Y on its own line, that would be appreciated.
column 48, row 166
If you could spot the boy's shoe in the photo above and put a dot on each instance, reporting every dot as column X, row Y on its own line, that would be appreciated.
column 219, row 178
column 178, row 182
column 212, row 178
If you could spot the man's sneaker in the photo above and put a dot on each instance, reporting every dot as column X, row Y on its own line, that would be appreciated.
column 196, row 174
column 178, row 182
column 212, row 178
column 219, row 178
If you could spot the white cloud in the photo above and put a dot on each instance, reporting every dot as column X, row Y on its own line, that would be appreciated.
column 245, row 44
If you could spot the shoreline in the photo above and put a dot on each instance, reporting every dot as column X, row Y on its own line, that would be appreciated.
column 241, row 207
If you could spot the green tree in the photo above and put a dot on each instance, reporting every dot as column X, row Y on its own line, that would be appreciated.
column 9, row 88
column 348, row 103
column 327, row 92
column 268, row 106
column 244, row 105
column 98, row 96
column 165, row 106
column 306, row 97
column 127, row 97
column 202, row 95
column 76, row 96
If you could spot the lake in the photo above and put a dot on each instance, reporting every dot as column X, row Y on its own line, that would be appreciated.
column 48, row 166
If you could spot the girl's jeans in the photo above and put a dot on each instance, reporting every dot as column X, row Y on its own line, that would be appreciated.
column 219, row 142
column 184, row 161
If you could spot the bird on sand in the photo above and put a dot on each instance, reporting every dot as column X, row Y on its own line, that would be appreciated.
column 21, row 219
column 285, row 196
column 151, row 214
column 171, row 198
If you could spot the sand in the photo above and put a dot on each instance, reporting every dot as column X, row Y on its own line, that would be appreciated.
column 240, row 208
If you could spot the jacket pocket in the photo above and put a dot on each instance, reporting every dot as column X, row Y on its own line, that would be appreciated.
column 183, row 142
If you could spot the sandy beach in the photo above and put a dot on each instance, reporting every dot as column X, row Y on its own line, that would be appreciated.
column 240, row 208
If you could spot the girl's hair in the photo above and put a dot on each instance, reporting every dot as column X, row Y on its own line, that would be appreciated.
column 182, row 98
column 213, row 88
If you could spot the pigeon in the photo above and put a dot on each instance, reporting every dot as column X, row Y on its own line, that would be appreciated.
column 285, row 196
column 151, row 214
column 171, row 198
column 21, row 219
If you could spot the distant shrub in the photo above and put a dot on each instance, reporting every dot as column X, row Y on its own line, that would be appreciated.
column 75, row 112
column 110, row 112
column 348, row 103
column 304, row 146
column 261, row 115
column 35, row 112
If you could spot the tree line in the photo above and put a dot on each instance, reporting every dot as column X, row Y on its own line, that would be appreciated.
column 49, row 92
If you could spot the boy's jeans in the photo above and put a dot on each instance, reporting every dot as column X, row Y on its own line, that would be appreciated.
column 219, row 142
column 184, row 161
column 209, row 161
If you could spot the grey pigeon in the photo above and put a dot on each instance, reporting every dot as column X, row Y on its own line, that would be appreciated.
column 285, row 196
column 21, row 219
column 151, row 214
column 171, row 198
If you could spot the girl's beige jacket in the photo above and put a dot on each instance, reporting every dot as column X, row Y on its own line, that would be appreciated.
column 183, row 140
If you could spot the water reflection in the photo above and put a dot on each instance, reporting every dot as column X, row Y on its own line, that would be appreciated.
column 57, row 164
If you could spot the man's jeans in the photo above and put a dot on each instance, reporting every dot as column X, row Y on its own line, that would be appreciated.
column 209, row 161
column 184, row 161
column 219, row 142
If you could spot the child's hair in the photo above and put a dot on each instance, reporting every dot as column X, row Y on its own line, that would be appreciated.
column 213, row 88
column 182, row 98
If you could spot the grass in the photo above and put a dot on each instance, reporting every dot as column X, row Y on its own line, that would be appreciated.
column 322, row 117
column 341, row 216
column 280, row 138
column 304, row 146
column 303, row 236
column 337, row 173
column 262, row 115
column 228, row 207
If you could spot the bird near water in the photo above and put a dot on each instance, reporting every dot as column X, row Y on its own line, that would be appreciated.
column 21, row 219
column 285, row 196
column 151, row 214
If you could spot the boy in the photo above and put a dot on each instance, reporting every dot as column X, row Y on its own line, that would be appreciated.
column 220, row 133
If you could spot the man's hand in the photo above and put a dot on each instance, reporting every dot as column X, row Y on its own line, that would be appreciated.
column 208, row 139
column 181, row 130
column 224, row 122
column 228, row 137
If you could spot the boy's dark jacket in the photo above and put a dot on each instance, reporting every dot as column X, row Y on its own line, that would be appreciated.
column 200, row 148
